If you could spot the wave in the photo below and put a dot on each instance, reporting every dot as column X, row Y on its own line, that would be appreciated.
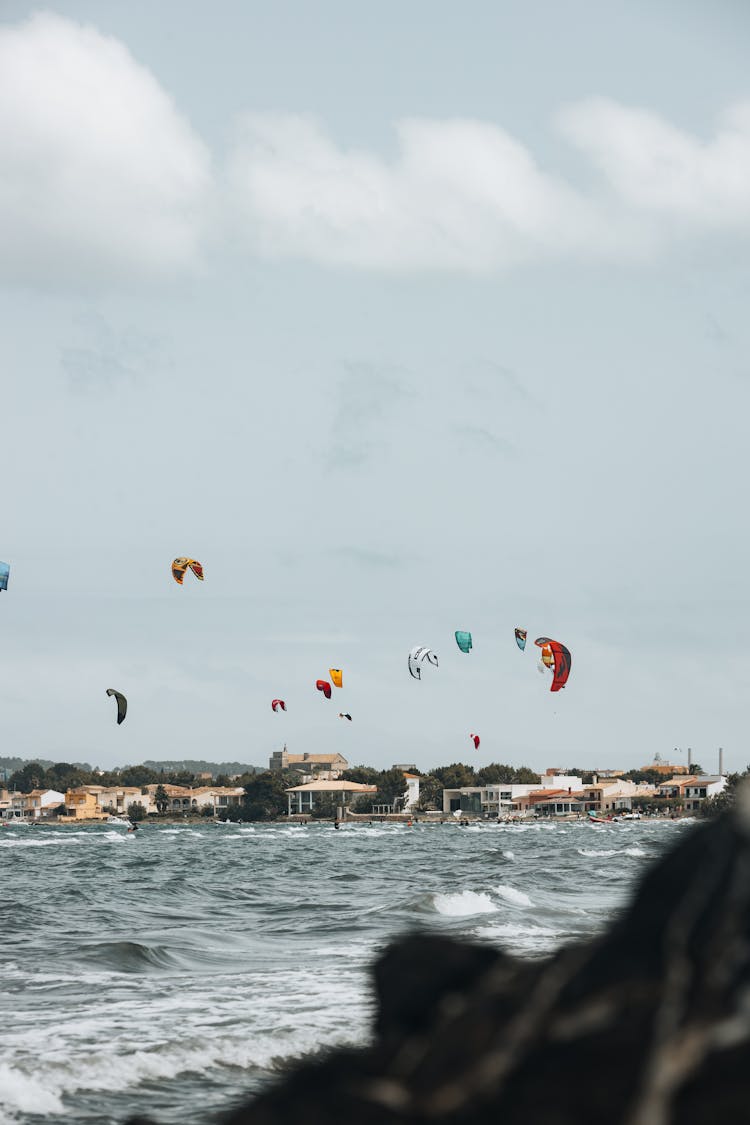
column 463, row 903
column 510, row 894
column 129, row 1068
column 131, row 956
column 22, row 1093
column 607, row 853
column 521, row 939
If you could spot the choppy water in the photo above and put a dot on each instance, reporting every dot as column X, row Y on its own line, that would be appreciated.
column 173, row 970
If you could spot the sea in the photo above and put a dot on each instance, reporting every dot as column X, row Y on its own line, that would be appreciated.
column 172, row 971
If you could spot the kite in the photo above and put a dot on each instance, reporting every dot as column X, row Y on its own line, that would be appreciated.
column 417, row 656
column 344, row 715
column 521, row 638
column 278, row 705
column 179, row 566
column 122, row 704
column 476, row 740
column 463, row 640
column 560, row 660
column 325, row 687
column 4, row 575
column 337, row 676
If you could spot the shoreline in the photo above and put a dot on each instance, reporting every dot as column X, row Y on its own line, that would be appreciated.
column 350, row 820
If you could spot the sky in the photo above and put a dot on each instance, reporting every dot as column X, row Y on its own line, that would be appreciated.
column 401, row 319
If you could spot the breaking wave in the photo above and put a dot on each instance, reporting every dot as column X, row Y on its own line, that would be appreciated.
column 463, row 904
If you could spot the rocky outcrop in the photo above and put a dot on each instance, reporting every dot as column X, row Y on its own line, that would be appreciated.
column 647, row 1025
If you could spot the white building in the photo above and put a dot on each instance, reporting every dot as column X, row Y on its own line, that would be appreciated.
column 701, row 787
column 484, row 800
column 411, row 796
column 37, row 805
column 306, row 796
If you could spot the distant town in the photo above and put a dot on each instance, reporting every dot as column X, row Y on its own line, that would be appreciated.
column 325, row 786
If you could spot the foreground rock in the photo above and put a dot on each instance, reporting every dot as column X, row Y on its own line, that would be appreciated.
column 647, row 1025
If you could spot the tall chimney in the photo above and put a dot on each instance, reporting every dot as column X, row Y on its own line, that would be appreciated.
column 690, row 758
column 721, row 762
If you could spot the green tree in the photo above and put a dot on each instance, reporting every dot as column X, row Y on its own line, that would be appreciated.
column 30, row 776
column 180, row 777
column 161, row 799
column 325, row 807
column 430, row 794
column 265, row 796
column 526, row 776
column 455, row 776
column 712, row 806
column 136, row 811
column 362, row 775
column 495, row 774
column 137, row 775
column 653, row 777
column 63, row 775
column 391, row 785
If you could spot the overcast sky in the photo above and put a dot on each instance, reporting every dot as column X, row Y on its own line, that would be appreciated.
column 401, row 319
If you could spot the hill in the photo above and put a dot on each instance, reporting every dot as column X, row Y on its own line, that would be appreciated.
column 196, row 766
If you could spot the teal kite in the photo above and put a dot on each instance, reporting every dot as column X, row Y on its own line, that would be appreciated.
column 463, row 640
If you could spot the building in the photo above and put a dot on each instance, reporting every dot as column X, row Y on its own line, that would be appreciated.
column 97, row 802
column 666, row 768
column 552, row 802
column 326, row 767
column 674, row 787
column 607, row 796
column 40, row 804
column 484, row 800
column 699, row 788
column 501, row 798
column 83, row 803
column 306, row 796
column 411, row 796
column 181, row 799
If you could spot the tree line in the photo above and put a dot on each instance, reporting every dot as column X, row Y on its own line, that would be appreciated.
column 266, row 798
column 66, row 775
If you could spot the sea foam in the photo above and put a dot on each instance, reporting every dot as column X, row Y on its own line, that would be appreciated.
column 464, row 903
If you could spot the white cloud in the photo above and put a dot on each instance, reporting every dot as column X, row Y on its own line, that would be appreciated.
column 102, row 179
column 461, row 195
column 465, row 195
column 99, row 174
column 656, row 168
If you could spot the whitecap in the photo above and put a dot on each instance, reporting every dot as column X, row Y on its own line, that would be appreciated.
column 21, row 1093
column 464, row 903
column 510, row 894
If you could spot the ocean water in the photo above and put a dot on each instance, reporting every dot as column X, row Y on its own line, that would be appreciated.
column 173, row 970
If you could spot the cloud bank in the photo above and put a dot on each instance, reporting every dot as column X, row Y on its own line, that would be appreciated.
column 102, row 178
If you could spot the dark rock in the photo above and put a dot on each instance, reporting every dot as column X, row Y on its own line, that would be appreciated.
column 647, row 1025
